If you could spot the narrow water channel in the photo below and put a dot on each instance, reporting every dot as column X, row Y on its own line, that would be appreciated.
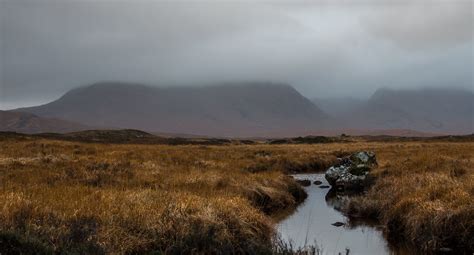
column 311, row 224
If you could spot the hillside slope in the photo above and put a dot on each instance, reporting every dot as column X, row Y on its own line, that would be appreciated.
column 28, row 123
column 249, row 109
column 441, row 111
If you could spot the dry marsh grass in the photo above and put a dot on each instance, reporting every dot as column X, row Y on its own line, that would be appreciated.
column 71, row 197
column 424, row 193
column 97, row 198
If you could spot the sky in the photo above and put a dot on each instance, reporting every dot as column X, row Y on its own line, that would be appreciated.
column 336, row 48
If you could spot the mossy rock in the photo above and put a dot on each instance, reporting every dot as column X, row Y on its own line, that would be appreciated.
column 359, row 170
column 364, row 158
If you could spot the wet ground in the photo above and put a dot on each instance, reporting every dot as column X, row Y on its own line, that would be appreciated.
column 318, row 222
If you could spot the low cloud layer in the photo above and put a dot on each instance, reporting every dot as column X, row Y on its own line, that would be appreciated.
column 322, row 48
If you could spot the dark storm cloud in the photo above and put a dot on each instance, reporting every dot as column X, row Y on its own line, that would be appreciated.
column 323, row 48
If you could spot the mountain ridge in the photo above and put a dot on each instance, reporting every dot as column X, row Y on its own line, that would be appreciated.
column 432, row 110
column 236, row 109
column 255, row 110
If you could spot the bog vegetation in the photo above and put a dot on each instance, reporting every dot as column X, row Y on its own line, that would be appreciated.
column 60, row 196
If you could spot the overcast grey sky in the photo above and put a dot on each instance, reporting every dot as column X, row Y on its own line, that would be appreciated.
column 322, row 48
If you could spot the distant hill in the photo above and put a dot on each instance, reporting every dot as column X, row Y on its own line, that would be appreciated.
column 245, row 109
column 440, row 111
column 375, row 132
column 29, row 123
column 120, row 136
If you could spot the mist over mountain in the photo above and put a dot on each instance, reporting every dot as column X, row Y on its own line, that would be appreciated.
column 29, row 123
column 434, row 110
column 336, row 106
column 240, row 109
column 248, row 110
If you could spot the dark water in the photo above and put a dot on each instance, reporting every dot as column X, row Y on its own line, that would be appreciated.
column 311, row 223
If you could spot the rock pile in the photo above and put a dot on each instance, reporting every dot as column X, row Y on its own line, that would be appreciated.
column 351, row 172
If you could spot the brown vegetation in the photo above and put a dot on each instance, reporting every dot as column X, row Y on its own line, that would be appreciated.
column 424, row 194
column 98, row 198
column 58, row 196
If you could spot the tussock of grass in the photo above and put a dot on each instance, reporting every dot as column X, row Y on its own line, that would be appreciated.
column 137, row 221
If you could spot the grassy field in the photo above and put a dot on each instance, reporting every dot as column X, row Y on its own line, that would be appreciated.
column 67, row 196
column 424, row 193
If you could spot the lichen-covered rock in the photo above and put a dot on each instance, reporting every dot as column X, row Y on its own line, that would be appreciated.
column 366, row 158
column 359, row 169
column 352, row 171
column 348, row 181
column 334, row 173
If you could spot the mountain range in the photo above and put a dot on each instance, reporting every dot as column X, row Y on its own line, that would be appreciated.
column 246, row 110
column 433, row 110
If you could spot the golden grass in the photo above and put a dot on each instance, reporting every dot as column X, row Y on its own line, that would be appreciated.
column 58, row 196
column 97, row 198
column 424, row 193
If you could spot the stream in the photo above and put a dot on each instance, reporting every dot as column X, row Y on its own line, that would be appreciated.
column 311, row 225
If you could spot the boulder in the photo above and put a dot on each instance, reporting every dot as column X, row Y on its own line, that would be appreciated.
column 304, row 183
column 317, row 182
column 348, row 181
column 351, row 172
column 366, row 158
column 359, row 169
column 335, row 172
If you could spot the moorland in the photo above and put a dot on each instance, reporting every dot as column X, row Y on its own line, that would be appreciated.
column 61, row 194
